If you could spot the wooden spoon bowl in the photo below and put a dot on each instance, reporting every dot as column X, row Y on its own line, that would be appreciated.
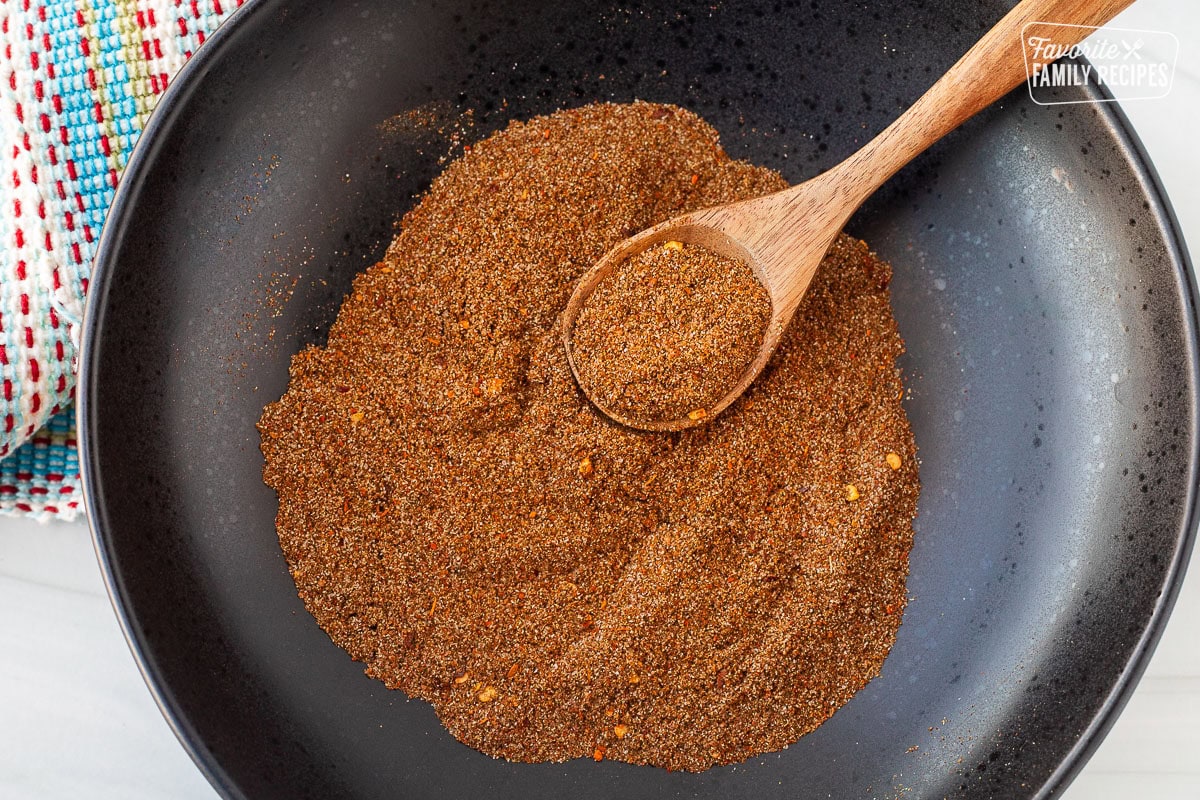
column 748, row 232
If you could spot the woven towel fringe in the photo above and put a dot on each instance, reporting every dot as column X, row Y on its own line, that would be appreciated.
column 41, row 479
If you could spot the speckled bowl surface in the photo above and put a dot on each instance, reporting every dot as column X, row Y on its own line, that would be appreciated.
column 1040, row 282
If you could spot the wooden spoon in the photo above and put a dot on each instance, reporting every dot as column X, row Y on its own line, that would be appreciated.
column 783, row 236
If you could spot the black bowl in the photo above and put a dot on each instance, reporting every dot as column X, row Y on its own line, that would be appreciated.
column 1041, row 284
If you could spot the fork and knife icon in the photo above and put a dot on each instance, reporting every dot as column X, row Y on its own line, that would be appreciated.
column 1131, row 50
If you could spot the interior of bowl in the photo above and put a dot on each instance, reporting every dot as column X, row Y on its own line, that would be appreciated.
column 1039, row 283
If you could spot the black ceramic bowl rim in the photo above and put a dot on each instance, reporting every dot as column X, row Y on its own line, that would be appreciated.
column 140, row 162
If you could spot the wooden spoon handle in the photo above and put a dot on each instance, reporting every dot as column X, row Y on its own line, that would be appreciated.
column 987, row 72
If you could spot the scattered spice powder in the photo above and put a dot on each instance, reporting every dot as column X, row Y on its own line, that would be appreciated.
column 668, row 332
column 710, row 591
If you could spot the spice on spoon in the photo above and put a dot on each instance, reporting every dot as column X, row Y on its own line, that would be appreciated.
column 669, row 332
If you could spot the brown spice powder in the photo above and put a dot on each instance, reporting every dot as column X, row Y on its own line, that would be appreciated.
column 459, row 517
column 669, row 332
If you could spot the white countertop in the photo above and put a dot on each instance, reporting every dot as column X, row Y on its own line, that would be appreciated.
column 76, row 721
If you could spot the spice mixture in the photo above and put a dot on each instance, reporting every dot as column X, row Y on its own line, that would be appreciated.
column 460, row 518
column 669, row 332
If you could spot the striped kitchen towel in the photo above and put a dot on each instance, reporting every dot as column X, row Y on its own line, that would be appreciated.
column 80, row 78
